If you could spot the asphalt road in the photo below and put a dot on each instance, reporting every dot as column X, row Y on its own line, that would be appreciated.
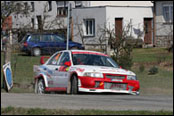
column 88, row 101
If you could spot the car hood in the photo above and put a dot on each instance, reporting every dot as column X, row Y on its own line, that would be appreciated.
column 102, row 69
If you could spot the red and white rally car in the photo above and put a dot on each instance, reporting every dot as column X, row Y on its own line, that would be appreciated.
column 76, row 71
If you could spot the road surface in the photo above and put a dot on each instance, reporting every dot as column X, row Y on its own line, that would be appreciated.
column 88, row 101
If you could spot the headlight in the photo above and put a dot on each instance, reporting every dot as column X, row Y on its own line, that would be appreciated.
column 131, row 77
column 92, row 74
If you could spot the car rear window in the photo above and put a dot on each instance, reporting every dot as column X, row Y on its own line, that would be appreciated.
column 25, row 38
column 34, row 38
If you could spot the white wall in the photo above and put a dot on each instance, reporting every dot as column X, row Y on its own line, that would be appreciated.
column 121, row 3
column 107, row 15
column 133, row 15
column 79, row 14
column 22, row 20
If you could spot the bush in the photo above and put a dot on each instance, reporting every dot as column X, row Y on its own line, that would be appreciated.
column 124, row 60
column 141, row 68
column 153, row 70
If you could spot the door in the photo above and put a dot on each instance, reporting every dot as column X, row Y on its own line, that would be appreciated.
column 59, row 74
column 53, row 69
column 118, row 27
column 148, row 30
column 46, row 44
column 58, row 43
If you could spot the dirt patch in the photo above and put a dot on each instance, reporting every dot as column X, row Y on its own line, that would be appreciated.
column 23, row 86
column 165, row 65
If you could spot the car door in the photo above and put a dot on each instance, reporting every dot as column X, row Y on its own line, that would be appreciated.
column 59, row 74
column 53, row 69
column 63, row 74
column 58, row 42
column 46, row 44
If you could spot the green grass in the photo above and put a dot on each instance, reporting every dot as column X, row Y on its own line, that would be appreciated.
column 160, row 83
column 38, row 111
column 23, row 73
column 150, row 54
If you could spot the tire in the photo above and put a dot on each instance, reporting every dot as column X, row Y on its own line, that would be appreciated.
column 74, row 85
column 40, row 87
column 36, row 52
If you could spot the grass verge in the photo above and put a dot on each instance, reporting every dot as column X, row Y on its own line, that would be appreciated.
column 38, row 111
column 160, row 83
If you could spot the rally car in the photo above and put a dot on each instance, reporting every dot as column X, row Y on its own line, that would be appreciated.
column 75, row 71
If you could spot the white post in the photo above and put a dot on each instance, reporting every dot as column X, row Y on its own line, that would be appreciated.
column 11, row 40
column 68, row 26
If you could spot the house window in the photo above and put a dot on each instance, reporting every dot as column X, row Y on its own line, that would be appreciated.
column 32, row 23
column 78, row 3
column 62, row 11
column 89, row 27
column 50, row 5
column 32, row 6
column 168, row 13
column 26, row 5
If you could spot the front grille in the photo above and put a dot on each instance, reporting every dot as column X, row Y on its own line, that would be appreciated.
column 115, row 77
column 115, row 86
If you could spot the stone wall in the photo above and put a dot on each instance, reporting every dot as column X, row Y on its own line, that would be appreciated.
column 164, row 41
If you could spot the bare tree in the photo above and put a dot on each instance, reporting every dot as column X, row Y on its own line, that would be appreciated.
column 7, row 9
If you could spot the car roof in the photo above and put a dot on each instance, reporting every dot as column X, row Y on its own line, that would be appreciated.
column 85, row 51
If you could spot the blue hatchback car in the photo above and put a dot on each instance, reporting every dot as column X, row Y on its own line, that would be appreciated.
column 37, row 44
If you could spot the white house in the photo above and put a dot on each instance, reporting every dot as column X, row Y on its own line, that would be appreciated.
column 116, row 17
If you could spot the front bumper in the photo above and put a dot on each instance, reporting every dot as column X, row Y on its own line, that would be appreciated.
column 108, row 91
column 99, row 85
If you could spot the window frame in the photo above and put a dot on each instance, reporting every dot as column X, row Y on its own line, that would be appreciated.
column 89, row 27
column 50, row 5
column 32, row 7
column 170, row 15
column 57, row 62
column 62, row 56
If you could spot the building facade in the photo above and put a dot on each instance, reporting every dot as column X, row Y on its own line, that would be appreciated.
column 163, row 15
column 116, row 18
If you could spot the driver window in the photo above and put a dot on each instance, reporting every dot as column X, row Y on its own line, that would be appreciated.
column 65, row 57
column 54, row 59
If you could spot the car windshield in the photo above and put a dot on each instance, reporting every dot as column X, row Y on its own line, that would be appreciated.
column 94, row 60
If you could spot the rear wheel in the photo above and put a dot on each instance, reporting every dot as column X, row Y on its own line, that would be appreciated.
column 40, row 87
column 36, row 52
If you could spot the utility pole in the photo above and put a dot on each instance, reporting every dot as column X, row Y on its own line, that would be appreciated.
column 68, row 26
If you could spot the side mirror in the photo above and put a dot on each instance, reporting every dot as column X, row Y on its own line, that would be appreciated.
column 42, row 59
column 68, row 63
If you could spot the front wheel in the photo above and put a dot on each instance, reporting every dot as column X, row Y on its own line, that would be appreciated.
column 74, row 85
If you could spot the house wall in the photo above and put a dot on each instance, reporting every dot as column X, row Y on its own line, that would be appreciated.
column 121, row 3
column 106, row 15
column 131, row 15
column 79, row 14
column 39, row 6
column 164, row 30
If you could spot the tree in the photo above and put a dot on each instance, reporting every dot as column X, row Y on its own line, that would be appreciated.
column 7, row 9
column 120, row 45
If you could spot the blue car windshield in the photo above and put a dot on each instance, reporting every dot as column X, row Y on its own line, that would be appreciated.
column 94, row 60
